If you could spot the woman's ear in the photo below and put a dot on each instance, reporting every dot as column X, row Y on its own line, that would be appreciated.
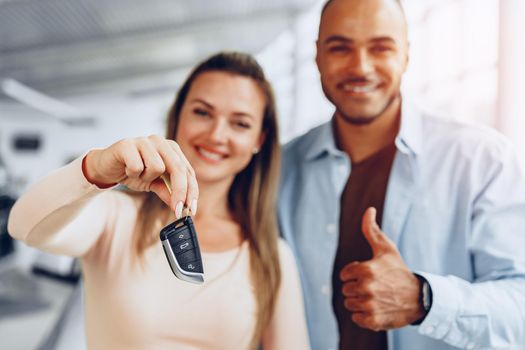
column 258, row 147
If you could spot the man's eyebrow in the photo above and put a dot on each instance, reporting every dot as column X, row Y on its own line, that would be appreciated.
column 337, row 38
column 343, row 39
column 383, row 39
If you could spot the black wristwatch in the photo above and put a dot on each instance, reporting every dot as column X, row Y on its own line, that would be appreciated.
column 425, row 296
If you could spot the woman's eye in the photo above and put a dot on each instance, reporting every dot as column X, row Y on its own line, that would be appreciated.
column 201, row 112
column 243, row 125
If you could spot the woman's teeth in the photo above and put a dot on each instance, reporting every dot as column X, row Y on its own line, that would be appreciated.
column 210, row 155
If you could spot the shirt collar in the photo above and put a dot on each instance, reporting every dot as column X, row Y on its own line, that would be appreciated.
column 323, row 142
column 408, row 140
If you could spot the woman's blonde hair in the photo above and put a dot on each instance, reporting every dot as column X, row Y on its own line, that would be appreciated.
column 251, row 198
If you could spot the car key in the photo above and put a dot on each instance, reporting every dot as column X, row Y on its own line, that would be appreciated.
column 181, row 246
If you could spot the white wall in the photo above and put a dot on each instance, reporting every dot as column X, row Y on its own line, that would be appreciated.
column 117, row 117
column 511, row 97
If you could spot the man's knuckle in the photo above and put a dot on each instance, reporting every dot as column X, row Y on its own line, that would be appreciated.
column 368, row 270
column 365, row 305
column 374, row 322
column 367, row 288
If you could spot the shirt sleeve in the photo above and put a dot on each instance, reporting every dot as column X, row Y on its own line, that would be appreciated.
column 489, row 312
column 62, row 213
column 287, row 329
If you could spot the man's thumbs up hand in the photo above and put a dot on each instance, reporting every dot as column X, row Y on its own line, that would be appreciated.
column 382, row 293
column 378, row 241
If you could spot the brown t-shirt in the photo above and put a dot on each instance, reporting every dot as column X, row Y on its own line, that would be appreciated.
column 366, row 187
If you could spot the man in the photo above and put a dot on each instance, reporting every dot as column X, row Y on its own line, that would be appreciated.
column 409, row 229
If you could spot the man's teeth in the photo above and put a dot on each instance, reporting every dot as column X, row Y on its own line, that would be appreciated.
column 359, row 89
column 210, row 155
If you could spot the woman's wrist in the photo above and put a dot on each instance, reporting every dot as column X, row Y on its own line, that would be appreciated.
column 91, row 174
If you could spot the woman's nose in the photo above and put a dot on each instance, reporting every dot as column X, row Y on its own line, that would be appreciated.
column 219, row 131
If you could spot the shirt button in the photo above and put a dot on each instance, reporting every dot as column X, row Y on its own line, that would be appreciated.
column 471, row 345
column 429, row 330
column 325, row 289
column 330, row 228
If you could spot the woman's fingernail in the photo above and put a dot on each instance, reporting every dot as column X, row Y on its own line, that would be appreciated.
column 178, row 210
column 194, row 207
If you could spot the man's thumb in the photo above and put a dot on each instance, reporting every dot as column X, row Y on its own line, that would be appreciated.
column 378, row 241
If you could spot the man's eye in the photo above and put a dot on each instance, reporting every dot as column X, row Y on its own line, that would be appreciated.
column 338, row 49
column 380, row 49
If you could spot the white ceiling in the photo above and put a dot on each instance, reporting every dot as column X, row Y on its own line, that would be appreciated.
column 57, row 46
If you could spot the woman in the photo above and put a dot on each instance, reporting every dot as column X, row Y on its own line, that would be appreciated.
column 223, row 123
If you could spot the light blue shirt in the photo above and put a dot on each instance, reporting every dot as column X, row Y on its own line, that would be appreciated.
column 455, row 207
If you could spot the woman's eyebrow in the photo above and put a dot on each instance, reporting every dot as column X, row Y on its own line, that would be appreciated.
column 210, row 106
column 243, row 114
column 207, row 104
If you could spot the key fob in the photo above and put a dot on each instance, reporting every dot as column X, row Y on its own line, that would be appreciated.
column 181, row 247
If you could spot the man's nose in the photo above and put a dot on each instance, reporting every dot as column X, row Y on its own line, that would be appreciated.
column 360, row 63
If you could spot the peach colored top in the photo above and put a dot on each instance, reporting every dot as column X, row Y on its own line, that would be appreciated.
column 133, row 307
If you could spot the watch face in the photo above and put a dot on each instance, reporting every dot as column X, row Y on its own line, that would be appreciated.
column 427, row 296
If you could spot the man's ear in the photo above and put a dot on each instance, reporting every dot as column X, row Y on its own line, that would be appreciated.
column 317, row 53
column 407, row 58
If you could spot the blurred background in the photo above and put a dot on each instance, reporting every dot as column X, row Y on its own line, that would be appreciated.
column 78, row 74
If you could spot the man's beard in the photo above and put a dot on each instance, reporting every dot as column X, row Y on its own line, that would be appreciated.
column 360, row 120
column 365, row 120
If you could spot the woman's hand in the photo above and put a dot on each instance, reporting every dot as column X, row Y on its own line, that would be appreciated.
column 138, row 163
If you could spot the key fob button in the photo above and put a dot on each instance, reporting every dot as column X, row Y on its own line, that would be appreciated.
column 186, row 257
column 193, row 266
column 179, row 246
column 181, row 235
